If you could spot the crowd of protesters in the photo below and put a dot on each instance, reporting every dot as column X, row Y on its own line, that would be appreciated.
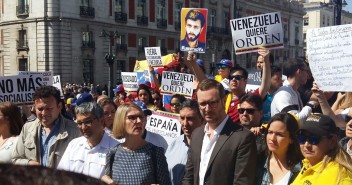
column 277, row 134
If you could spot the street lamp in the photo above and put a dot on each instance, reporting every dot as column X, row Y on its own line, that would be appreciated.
column 337, row 5
column 110, row 58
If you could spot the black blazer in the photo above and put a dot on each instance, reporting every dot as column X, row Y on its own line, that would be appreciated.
column 233, row 160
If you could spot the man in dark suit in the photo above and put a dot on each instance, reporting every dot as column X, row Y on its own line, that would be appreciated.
column 221, row 152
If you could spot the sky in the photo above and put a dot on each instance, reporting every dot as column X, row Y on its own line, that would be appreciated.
column 349, row 6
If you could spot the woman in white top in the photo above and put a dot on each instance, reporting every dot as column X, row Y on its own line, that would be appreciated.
column 11, row 124
column 342, row 105
column 282, row 163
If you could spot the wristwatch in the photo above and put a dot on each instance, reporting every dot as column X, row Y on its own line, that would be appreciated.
column 311, row 105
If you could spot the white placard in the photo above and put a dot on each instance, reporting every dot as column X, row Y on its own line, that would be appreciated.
column 329, row 51
column 20, row 89
column 57, row 84
column 165, row 124
column 46, row 76
column 226, row 84
column 251, row 33
column 153, row 56
column 130, row 81
column 178, row 83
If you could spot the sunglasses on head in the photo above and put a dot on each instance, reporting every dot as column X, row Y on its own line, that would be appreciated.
column 221, row 66
column 249, row 111
column 314, row 140
column 175, row 104
column 236, row 77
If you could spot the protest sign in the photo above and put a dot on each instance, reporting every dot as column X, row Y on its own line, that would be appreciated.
column 142, row 65
column 46, row 76
column 20, row 89
column 226, row 84
column 251, row 33
column 178, row 83
column 194, row 29
column 254, row 80
column 57, row 84
column 165, row 124
column 329, row 55
column 130, row 81
column 153, row 56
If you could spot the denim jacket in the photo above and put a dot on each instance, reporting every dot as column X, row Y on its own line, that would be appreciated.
column 264, row 174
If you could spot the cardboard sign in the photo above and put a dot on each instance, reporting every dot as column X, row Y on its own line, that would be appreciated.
column 153, row 56
column 254, row 80
column 165, row 124
column 193, row 29
column 130, row 81
column 177, row 83
column 46, row 76
column 329, row 55
column 251, row 33
column 20, row 89
column 226, row 84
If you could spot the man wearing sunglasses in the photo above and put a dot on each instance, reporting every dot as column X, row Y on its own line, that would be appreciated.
column 287, row 97
column 325, row 161
column 87, row 154
column 238, row 81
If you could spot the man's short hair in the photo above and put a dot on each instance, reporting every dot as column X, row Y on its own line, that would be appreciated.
column 292, row 65
column 239, row 68
column 191, row 104
column 46, row 92
column 254, row 100
column 195, row 15
column 90, row 108
column 275, row 69
column 208, row 84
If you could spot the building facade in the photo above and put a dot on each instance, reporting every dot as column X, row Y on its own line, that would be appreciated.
column 320, row 14
column 65, row 36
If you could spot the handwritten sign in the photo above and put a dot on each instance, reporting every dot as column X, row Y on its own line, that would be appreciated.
column 329, row 55
column 153, row 56
column 251, row 33
column 130, row 81
column 179, row 83
column 20, row 88
column 165, row 124
column 46, row 76
column 226, row 84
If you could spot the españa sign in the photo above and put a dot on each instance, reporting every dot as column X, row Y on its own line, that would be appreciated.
column 251, row 33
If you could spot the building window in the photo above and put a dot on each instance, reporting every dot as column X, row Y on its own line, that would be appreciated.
column 142, row 42
column 161, row 13
column 212, row 18
column 226, row 21
column 141, row 8
column 22, row 7
column 178, row 7
column 119, row 6
column 23, row 64
column 86, row 3
column 22, row 42
column 120, row 67
column 324, row 20
column 306, row 21
column 162, row 45
column 87, row 39
column 328, row 21
column 88, row 71
column 121, row 43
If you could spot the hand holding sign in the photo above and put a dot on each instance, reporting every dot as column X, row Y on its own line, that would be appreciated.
column 264, row 52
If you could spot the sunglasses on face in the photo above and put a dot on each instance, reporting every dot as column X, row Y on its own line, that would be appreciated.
column 236, row 77
column 302, row 139
column 221, row 66
column 175, row 104
column 249, row 111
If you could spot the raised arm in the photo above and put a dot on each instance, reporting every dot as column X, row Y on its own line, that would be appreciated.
column 266, row 76
column 192, row 65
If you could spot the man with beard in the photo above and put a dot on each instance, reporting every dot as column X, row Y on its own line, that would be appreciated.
column 87, row 154
column 194, row 24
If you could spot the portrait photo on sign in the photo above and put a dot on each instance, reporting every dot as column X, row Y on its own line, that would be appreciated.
column 193, row 29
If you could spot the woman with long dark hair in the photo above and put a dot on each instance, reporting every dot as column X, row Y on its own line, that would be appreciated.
column 282, row 163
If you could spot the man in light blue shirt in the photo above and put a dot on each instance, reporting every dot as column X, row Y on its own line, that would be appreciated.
column 176, row 153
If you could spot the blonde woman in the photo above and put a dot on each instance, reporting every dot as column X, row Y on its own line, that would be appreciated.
column 325, row 161
column 342, row 105
column 135, row 161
